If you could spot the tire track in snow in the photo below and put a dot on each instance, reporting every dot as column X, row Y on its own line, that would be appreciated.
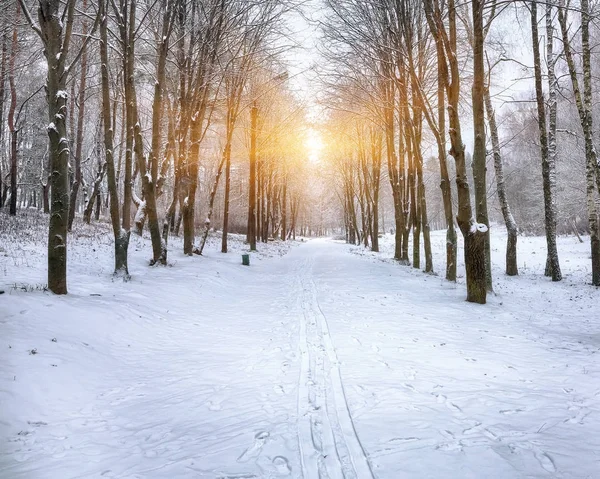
column 329, row 444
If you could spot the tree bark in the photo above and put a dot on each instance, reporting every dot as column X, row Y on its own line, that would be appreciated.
column 376, row 153
column 12, row 127
column 584, row 107
column 509, row 221
column 55, row 31
column 3, row 62
column 121, row 236
column 227, row 155
column 251, row 235
column 80, row 118
column 159, row 248
column 549, row 202
column 445, row 185
column 473, row 232
column 479, row 150
column 188, row 209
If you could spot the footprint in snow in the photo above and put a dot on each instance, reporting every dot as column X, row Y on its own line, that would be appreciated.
column 472, row 429
column 237, row 476
column 282, row 465
column 253, row 451
column 511, row 411
column 403, row 439
column 545, row 461
column 37, row 423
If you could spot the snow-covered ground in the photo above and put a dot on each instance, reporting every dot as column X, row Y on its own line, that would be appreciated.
column 313, row 362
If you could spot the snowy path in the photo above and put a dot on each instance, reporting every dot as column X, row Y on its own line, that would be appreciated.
column 329, row 445
column 321, row 364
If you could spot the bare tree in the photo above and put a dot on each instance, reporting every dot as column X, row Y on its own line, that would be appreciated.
column 474, row 233
column 121, row 235
column 547, row 162
column 511, row 225
column 80, row 125
column 479, row 150
column 55, row 27
column 584, row 108
column 12, row 126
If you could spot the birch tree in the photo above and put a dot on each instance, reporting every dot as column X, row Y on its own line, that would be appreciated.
column 553, row 266
column 584, row 103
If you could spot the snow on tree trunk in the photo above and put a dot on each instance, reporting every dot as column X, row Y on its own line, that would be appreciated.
column 121, row 236
column 56, row 36
column 474, row 234
column 12, row 127
column 479, row 150
column 584, row 107
column 549, row 202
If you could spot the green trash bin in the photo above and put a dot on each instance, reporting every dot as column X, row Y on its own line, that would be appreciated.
column 246, row 259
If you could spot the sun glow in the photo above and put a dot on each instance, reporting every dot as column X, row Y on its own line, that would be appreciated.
column 314, row 145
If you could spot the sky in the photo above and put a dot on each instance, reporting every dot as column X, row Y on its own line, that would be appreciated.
column 511, row 80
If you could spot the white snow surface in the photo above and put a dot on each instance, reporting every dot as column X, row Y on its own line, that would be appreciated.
column 316, row 363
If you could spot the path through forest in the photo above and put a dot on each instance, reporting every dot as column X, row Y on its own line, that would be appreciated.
column 319, row 364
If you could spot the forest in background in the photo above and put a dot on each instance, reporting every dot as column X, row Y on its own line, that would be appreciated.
column 179, row 116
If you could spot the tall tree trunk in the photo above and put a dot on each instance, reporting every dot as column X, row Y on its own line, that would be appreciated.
column 391, row 88
column 438, row 129
column 479, row 150
column 3, row 62
column 403, row 159
column 12, row 127
column 13, row 169
column 549, row 202
column 415, row 213
column 227, row 155
column 584, row 107
column 472, row 231
column 251, row 236
column 159, row 248
column 445, row 185
column 189, row 203
column 283, row 232
column 376, row 152
column 127, row 37
column 54, row 29
column 509, row 221
column 80, row 118
column 392, row 166
column 421, row 198
column 121, row 236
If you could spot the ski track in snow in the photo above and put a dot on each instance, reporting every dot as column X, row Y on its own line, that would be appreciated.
column 318, row 365
column 329, row 445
